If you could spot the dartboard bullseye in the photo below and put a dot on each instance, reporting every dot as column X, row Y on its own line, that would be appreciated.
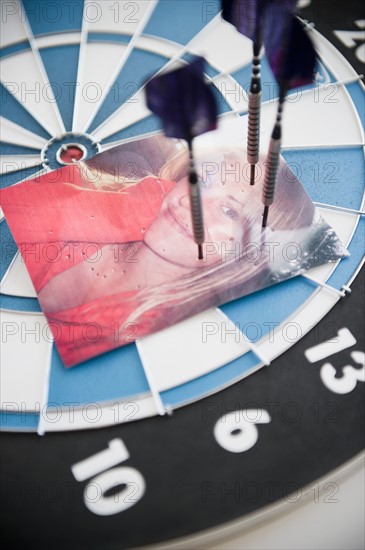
column 71, row 147
column 190, row 436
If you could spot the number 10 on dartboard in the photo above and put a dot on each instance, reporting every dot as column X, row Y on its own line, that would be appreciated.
column 105, row 475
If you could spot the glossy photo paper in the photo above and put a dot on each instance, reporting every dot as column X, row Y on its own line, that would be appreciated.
column 109, row 247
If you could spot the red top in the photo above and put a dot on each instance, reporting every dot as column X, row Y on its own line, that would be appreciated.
column 48, row 212
column 101, row 325
column 57, row 224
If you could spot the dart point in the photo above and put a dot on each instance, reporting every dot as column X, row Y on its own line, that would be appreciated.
column 265, row 216
column 252, row 174
column 200, row 252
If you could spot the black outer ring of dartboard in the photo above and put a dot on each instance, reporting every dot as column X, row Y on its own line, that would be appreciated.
column 192, row 483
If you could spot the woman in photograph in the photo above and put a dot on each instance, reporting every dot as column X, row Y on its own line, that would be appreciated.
column 126, row 258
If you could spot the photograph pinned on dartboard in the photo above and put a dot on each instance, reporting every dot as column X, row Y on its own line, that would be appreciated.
column 106, row 249
column 46, row 121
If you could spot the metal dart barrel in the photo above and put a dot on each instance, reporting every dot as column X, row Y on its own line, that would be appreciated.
column 273, row 159
column 196, row 208
column 254, row 103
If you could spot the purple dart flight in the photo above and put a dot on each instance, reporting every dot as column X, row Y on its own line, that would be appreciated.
column 187, row 108
column 289, row 49
column 292, row 59
column 247, row 16
column 183, row 101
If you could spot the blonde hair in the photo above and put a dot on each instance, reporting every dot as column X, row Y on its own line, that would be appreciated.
column 97, row 179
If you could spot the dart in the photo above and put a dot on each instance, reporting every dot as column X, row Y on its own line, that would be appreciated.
column 187, row 108
column 246, row 16
column 292, row 59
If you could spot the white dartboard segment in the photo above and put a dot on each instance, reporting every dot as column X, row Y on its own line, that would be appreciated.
column 134, row 110
column 159, row 46
column 115, row 16
column 315, row 113
column 112, row 144
column 138, row 20
column 27, row 79
column 13, row 163
column 211, row 46
column 323, row 117
column 91, row 416
column 17, row 135
column 293, row 329
column 26, row 344
column 16, row 281
column 50, row 41
column 12, row 28
column 231, row 92
column 92, row 85
column 191, row 349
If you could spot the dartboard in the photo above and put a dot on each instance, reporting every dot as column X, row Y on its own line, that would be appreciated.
column 103, row 455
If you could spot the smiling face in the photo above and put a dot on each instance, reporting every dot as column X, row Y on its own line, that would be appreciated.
column 228, row 205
